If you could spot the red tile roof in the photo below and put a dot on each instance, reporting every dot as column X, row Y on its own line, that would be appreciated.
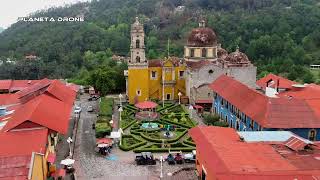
column 60, row 91
column 283, row 82
column 45, row 111
column 18, row 85
column 6, row 99
column 21, row 143
column 280, row 112
column 231, row 158
column 30, row 90
column 5, row 84
column 14, row 167
column 295, row 144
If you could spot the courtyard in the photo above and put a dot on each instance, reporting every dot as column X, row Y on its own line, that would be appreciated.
column 120, row 163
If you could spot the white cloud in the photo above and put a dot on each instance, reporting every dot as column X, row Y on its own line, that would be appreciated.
column 10, row 10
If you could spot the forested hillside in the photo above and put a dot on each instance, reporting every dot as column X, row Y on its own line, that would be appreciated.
column 282, row 37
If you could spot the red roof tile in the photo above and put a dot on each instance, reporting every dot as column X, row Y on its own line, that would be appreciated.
column 14, row 167
column 295, row 144
column 20, row 143
column 45, row 111
column 18, row 85
column 6, row 99
column 231, row 158
column 283, row 82
column 60, row 91
column 41, row 85
column 5, row 84
column 280, row 112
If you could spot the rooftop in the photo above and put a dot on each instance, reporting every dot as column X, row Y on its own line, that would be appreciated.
column 232, row 157
column 282, row 112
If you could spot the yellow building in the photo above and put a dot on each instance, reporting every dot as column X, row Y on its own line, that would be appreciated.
column 152, row 79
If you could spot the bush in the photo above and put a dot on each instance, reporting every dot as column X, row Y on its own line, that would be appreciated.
column 102, row 129
column 210, row 119
column 129, row 142
column 221, row 124
column 156, row 150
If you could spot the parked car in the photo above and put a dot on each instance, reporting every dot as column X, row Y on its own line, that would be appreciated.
column 178, row 158
column 90, row 109
column 93, row 98
column 190, row 157
column 170, row 159
column 145, row 158
column 77, row 110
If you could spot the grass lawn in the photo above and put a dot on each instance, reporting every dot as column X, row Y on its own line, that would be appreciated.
column 106, row 107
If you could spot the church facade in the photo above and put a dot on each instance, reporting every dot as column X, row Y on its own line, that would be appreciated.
column 152, row 79
column 204, row 61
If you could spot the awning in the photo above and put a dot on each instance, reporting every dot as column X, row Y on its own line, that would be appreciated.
column 197, row 107
column 146, row 105
column 51, row 157
column 67, row 162
column 104, row 141
column 115, row 135
column 204, row 101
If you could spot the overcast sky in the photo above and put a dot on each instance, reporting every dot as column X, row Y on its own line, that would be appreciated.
column 10, row 10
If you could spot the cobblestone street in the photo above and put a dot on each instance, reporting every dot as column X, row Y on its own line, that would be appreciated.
column 90, row 165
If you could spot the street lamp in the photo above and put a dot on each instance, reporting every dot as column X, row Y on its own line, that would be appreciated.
column 120, row 96
column 161, row 171
column 190, row 108
column 179, row 94
column 69, row 141
column 120, row 110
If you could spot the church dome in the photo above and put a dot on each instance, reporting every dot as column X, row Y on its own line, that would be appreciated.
column 202, row 36
column 237, row 57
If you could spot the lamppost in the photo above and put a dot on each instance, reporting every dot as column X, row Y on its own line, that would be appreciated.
column 179, row 94
column 161, row 171
column 120, row 96
column 120, row 110
column 69, row 140
column 190, row 108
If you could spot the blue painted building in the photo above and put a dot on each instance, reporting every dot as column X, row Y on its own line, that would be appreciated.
column 245, row 109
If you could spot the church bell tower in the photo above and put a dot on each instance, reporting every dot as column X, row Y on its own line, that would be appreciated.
column 137, row 47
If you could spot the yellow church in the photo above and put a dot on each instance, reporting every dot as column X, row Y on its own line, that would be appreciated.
column 152, row 79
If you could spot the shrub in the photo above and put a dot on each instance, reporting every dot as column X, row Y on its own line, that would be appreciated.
column 155, row 150
column 221, row 124
column 102, row 129
column 210, row 119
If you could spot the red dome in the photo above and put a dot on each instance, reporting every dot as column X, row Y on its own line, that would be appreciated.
column 202, row 37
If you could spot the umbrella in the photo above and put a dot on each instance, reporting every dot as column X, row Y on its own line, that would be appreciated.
column 103, row 145
column 67, row 162
column 104, row 141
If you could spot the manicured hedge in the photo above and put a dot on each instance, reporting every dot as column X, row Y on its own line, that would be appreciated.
column 155, row 150
column 127, row 125
column 166, row 140
column 124, row 147
column 102, row 129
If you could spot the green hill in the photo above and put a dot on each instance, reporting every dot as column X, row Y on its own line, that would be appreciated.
column 278, row 36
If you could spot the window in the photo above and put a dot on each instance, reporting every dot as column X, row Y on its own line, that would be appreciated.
column 153, row 74
column 210, row 71
column 209, row 94
column 204, row 52
column 138, row 59
column 192, row 53
column 181, row 74
column 138, row 92
column 137, row 43
column 312, row 135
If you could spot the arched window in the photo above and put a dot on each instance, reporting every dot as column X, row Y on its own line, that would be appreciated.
column 137, row 43
column 204, row 52
column 138, row 59
column 312, row 135
column 192, row 53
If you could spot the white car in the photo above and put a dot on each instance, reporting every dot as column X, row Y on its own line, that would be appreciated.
column 77, row 110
